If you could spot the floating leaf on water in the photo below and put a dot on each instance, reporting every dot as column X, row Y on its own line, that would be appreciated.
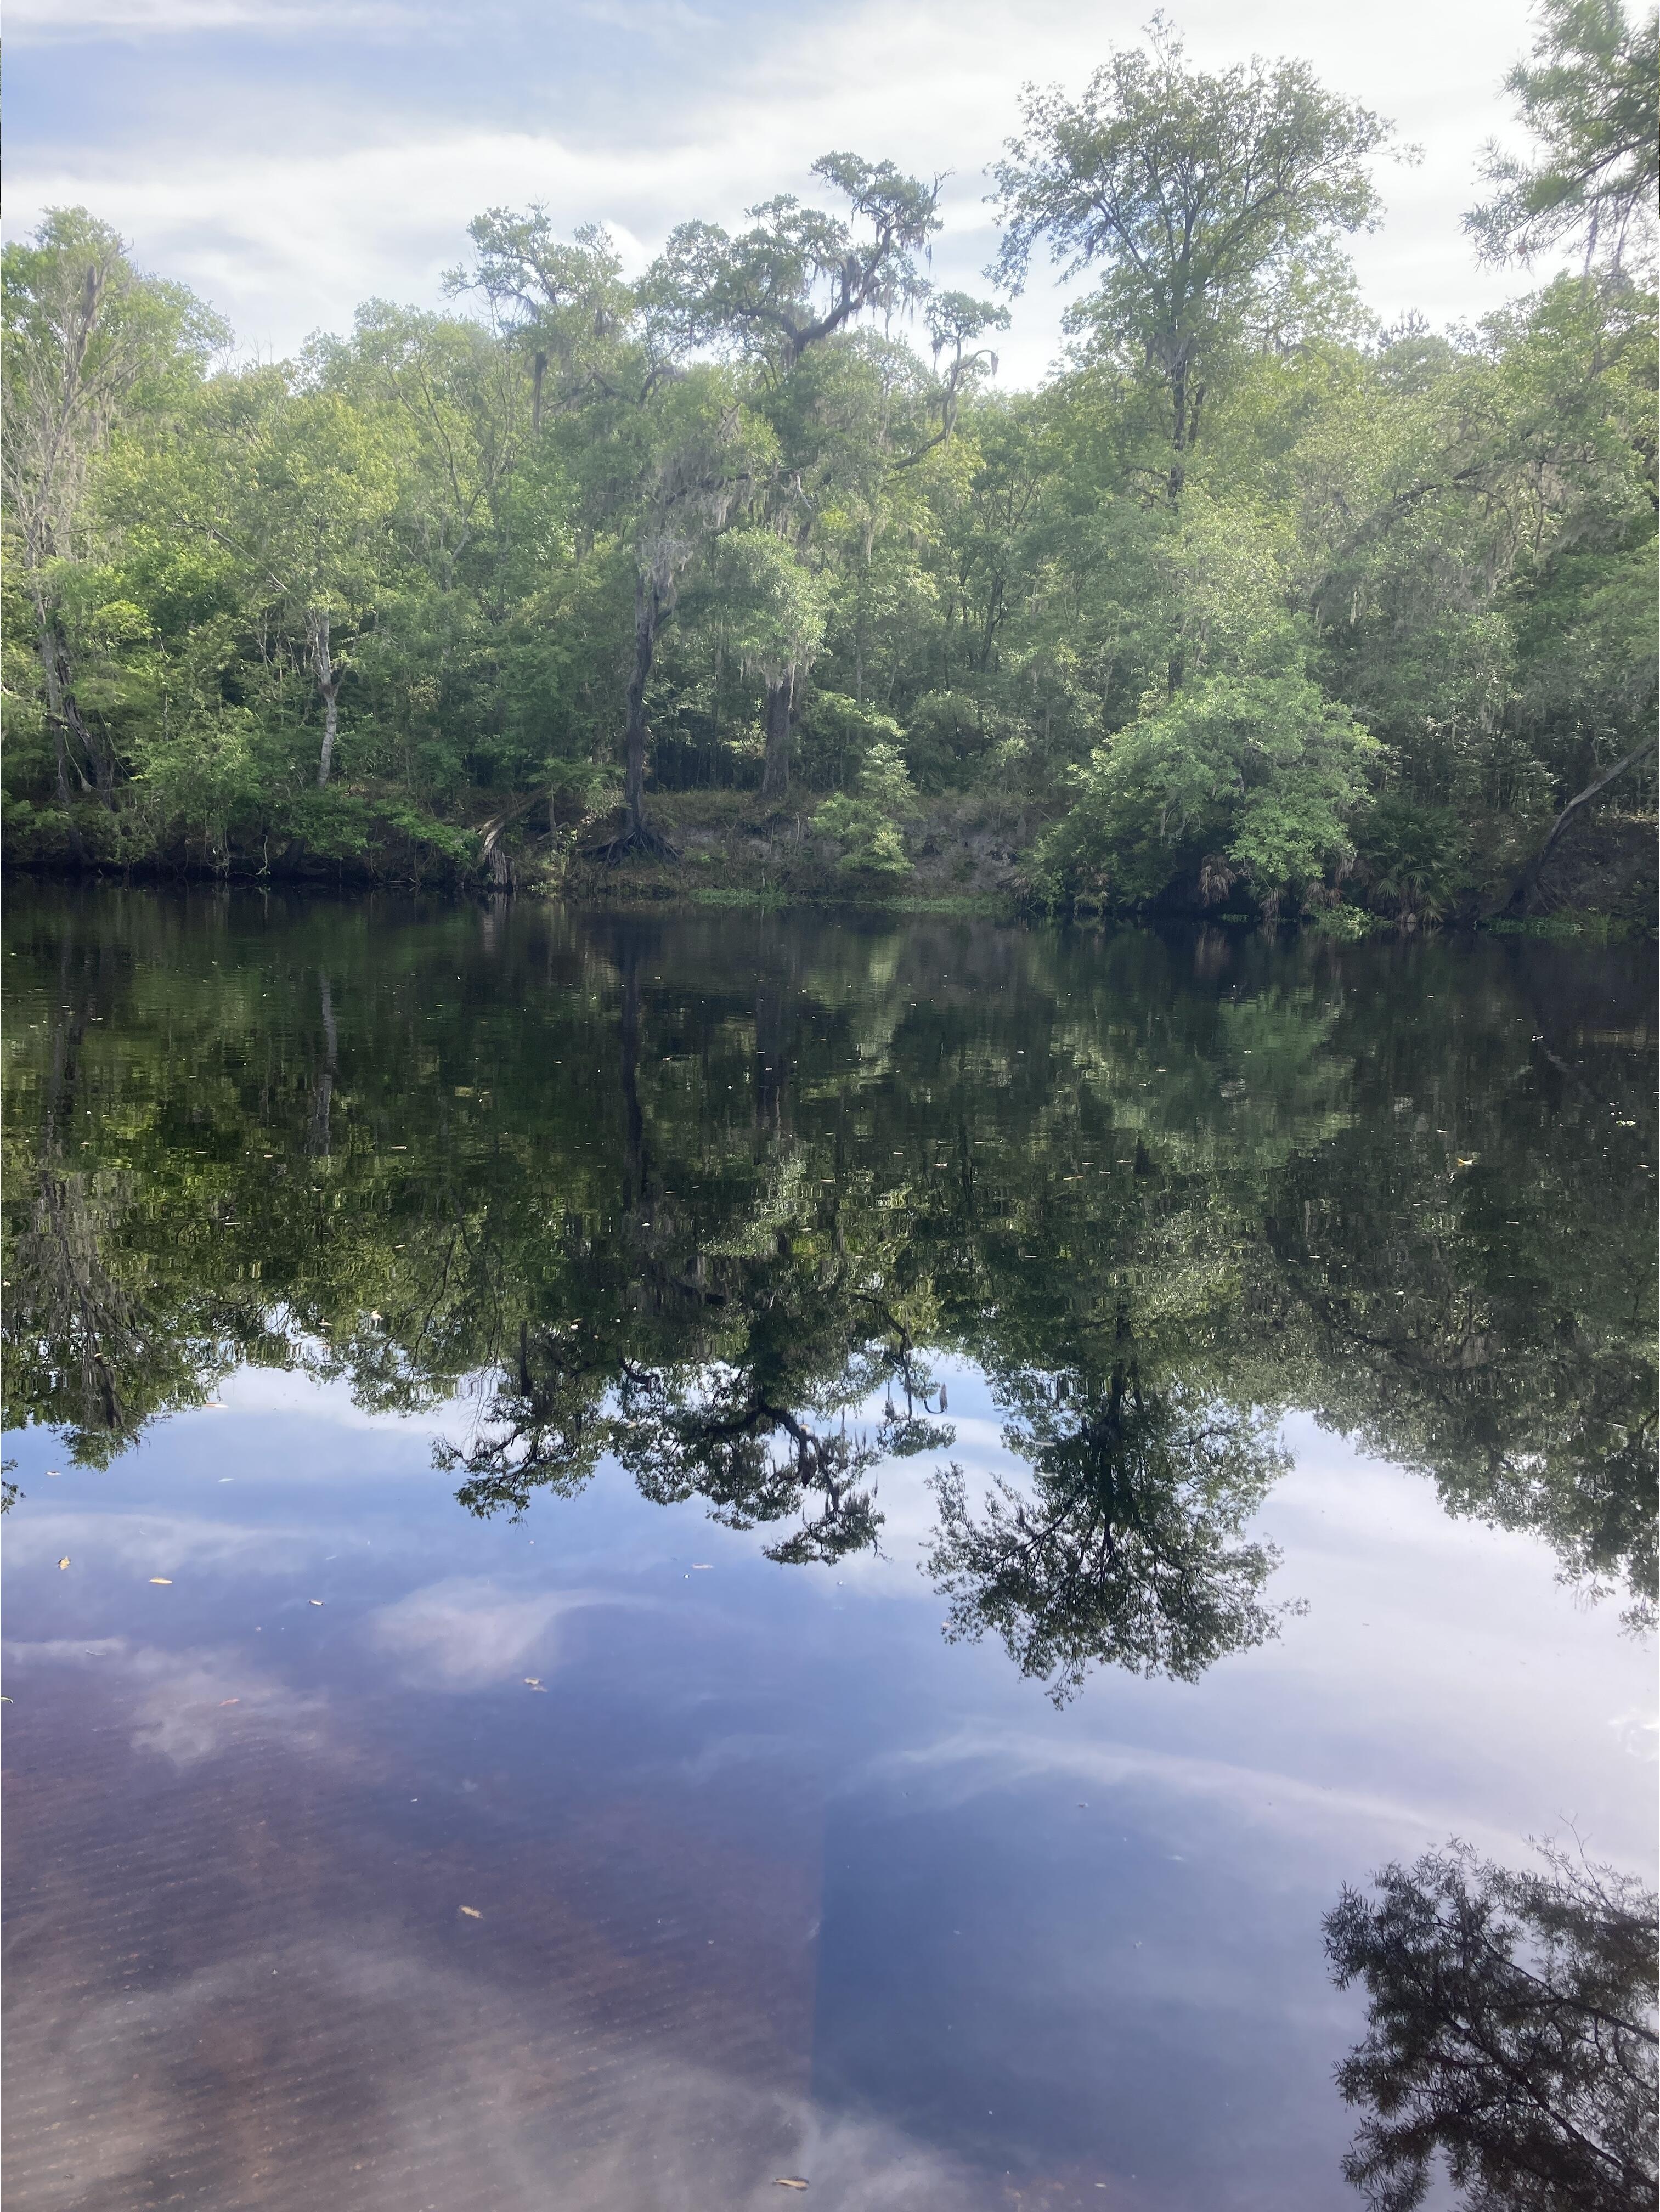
column 472, row 1912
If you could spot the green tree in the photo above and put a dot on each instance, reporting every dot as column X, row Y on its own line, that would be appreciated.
column 1588, row 99
column 1128, row 1551
column 297, row 489
column 868, row 821
column 1211, row 203
column 1252, row 777
column 89, row 343
column 776, row 296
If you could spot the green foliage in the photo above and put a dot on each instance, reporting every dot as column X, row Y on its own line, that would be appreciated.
column 1129, row 1550
column 1588, row 98
column 1208, row 203
column 1251, row 779
column 868, row 821
column 1343, row 923
column 1411, row 854
column 761, row 511
column 835, row 735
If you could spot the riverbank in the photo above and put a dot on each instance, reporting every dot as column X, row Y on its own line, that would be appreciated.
column 970, row 853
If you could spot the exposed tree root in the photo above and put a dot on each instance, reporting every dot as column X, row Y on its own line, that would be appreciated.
column 639, row 837
column 492, row 850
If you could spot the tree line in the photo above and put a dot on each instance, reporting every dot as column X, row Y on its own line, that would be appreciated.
column 1251, row 602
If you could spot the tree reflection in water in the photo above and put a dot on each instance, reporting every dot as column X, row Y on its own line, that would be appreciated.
column 753, row 1418
column 1130, row 1552
column 707, row 1197
column 1512, row 2034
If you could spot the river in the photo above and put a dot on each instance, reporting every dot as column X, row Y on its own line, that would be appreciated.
column 659, row 1554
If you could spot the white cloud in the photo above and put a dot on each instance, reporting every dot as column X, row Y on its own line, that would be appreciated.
column 973, row 1761
column 146, row 1544
column 465, row 1634
column 191, row 1705
column 52, row 22
column 535, row 2103
column 287, row 213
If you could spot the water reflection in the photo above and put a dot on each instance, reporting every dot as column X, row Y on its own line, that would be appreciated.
column 706, row 1197
column 1510, row 2033
column 1130, row 1551
column 691, row 1244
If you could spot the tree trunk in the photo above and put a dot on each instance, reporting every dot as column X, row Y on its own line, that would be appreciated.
column 648, row 615
column 776, row 776
column 1175, row 671
column 1178, row 467
column 67, row 726
column 1527, row 882
column 637, row 834
column 633, row 1162
column 328, row 684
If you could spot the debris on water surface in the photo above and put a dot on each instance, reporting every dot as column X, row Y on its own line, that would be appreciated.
column 314, row 1601
column 161, row 1582
column 63, row 1562
column 223, row 1702
column 472, row 1911
column 701, row 1566
column 789, row 2181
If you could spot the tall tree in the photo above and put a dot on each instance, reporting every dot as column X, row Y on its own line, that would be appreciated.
column 701, row 452
column 1125, row 1554
column 87, row 340
column 796, row 278
column 298, row 488
column 1206, row 202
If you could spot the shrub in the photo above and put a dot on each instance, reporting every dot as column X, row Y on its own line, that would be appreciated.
column 1259, row 773
column 867, row 821
column 1410, row 854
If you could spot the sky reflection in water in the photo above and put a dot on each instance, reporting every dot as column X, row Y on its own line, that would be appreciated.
column 770, row 1877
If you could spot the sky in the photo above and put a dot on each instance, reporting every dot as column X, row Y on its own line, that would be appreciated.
column 289, row 158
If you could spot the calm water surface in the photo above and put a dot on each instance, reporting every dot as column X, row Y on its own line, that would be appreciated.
column 656, row 1554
